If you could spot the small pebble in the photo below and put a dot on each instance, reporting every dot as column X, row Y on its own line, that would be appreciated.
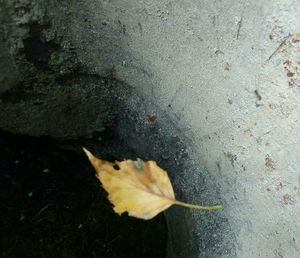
column 22, row 217
column 46, row 170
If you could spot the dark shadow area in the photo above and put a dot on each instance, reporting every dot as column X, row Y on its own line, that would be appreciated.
column 61, row 64
column 53, row 206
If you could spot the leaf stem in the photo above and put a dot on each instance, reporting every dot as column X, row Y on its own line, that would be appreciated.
column 193, row 206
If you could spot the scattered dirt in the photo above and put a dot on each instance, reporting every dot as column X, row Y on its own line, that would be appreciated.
column 269, row 162
column 287, row 199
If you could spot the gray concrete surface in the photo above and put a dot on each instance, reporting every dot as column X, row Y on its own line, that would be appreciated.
column 228, row 72
column 226, row 75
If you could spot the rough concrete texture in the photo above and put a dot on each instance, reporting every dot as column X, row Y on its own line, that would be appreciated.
column 44, row 88
column 225, row 75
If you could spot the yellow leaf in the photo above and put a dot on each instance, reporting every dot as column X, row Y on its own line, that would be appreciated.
column 140, row 188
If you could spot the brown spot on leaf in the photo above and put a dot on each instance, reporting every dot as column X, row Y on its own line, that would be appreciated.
column 290, row 74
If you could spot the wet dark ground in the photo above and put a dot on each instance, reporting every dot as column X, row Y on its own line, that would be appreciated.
column 51, row 205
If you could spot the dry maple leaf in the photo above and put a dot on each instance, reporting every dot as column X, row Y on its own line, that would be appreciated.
column 141, row 188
